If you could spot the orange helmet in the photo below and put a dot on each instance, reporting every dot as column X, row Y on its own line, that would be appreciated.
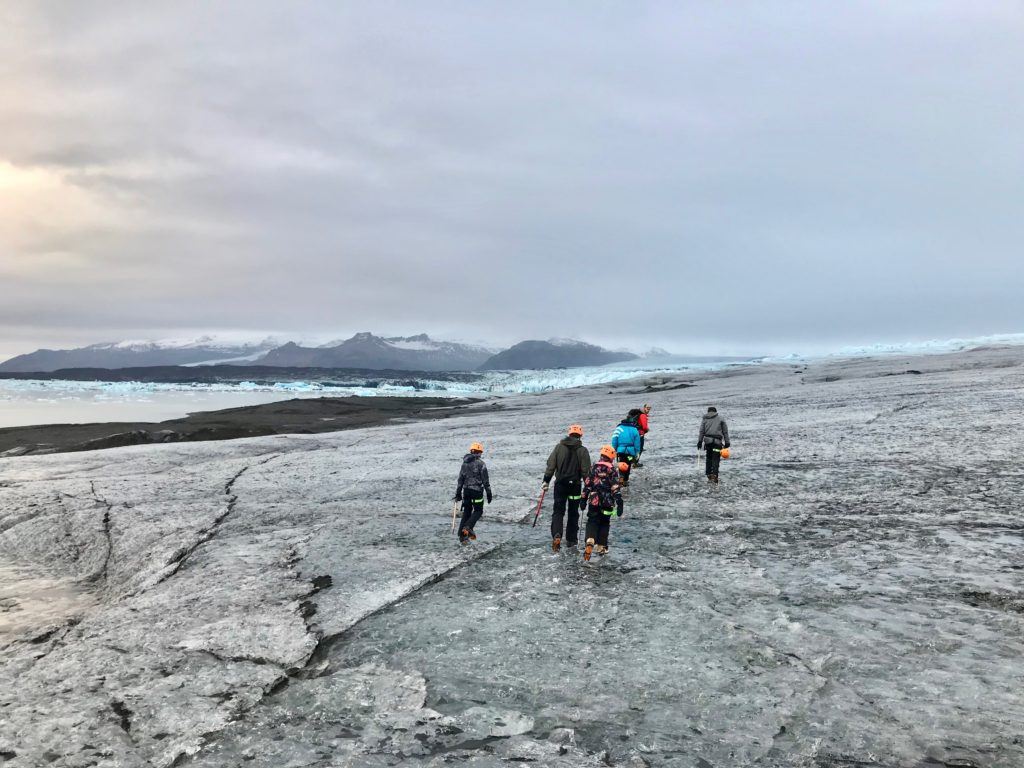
column 725, row 453
column 576, row 429
column 476, row 448
column 608, row 452
column 623, row 466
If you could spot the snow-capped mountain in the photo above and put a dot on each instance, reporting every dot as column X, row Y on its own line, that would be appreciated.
column 397, row 353
column 139, row 353
column 554, row 353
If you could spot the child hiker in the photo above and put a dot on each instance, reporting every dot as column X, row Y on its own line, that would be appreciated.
column 474, row 484
column 604, row 499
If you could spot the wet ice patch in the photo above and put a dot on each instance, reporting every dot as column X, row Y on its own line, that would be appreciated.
column 32, row 605
column 373, row 688
column 268, row 638
column 482, row 722
column 782, row 621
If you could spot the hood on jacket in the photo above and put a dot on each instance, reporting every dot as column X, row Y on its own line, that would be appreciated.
column 572, row 441
column 627, row 422
column 710, row 416
column 469, row 458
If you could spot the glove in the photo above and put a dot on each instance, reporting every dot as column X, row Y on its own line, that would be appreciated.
column 545, row 486
column 458, row 496
column 489, row 497
column 583, row 503
column 619, row 507
column 700, row 444
column 726, row 444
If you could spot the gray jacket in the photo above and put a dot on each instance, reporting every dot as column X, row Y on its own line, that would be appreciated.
column 714, row 431
column 473, row 475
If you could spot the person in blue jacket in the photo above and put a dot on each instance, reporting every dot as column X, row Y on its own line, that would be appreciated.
column 626, row 442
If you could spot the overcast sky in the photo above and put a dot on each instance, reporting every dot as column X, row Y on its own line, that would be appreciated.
column 743, row 176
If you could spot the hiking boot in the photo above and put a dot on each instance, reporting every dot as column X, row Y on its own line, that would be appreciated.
column 556, row 544
column 572, row 545
column 464, row 534
column 472, row 536
column 637, row 465
column 588, row 549
column 714, row 479
column 602, row 549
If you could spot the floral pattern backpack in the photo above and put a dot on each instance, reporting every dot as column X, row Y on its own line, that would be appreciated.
column 602, row 486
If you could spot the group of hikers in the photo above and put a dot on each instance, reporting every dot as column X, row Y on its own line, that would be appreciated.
column 581, row 485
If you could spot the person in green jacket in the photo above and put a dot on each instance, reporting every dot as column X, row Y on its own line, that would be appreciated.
column 569, row 464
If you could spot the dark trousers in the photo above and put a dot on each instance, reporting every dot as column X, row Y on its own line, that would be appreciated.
column 642, row 441
column 598, row 525
column 713, row 459
column 567, row 495
column 472, row 509
column 630, row 460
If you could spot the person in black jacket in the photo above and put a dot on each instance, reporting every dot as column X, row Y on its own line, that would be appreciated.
column 714, row 436
column 570, row 464
column 474, row 485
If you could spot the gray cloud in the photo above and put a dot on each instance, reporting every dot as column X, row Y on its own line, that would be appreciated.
column 750, row 176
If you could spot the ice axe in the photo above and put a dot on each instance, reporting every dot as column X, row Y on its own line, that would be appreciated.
column 540, row 503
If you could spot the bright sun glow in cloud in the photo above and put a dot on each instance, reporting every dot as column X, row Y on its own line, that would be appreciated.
column 40, row 208
column 15, row 181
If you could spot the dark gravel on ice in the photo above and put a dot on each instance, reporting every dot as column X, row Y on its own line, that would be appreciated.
column 296, row 416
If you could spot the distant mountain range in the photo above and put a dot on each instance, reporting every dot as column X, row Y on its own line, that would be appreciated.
column 557, row 353
column 134, row 354
column 363, row 351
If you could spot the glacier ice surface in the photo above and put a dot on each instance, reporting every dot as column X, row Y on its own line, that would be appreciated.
column 850, row 595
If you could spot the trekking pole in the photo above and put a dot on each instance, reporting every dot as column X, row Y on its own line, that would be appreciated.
column 455, row 508
column 540, row 503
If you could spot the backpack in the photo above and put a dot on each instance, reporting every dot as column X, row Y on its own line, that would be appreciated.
column 601, row 484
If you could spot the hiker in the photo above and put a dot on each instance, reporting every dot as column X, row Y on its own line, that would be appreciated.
column 601, row 491
column 569, row 464
column 714, row 436
column 474, row 485
column 643, row 426
column 626, row 442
